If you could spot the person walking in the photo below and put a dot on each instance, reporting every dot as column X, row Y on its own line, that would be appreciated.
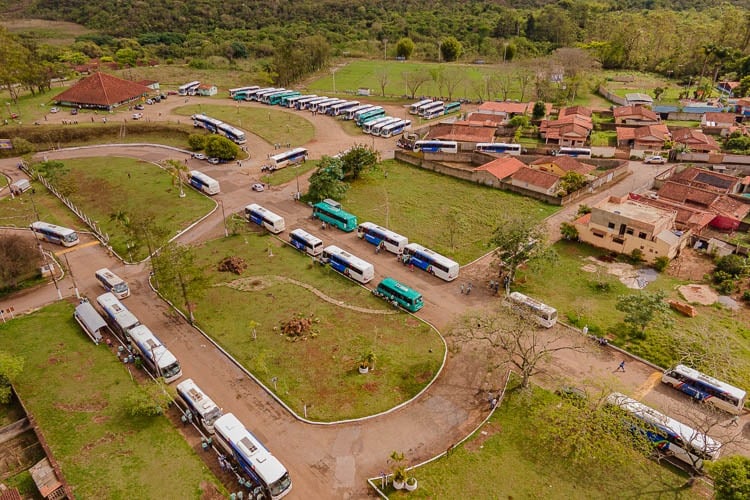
column 462, row 288
column 735, row 421
column 621, row 366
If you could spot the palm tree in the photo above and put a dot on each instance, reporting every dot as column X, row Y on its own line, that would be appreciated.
column 177, row 169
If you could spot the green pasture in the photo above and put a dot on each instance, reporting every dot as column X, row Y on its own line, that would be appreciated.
column 108, row 185
column 30, row 108
column 289, row 174
column 44, row 31
column 320, row 370
column 432, row 209
column 507, row 459
column 578, row 299
column 269, row 123
column 644, row 83
column 77, row 392
column 20, row 211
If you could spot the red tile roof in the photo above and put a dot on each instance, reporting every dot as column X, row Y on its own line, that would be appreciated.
column 502, row 167
column 575, row 110
column 695, row 139
column 462, row 132
column 536, row 178
column 723, row 118
column 484, row 118
column 706, row 179
column 10, row 494
column 507, row 107
column 637, row 112
column 687, row 194
column 101, row 89
column 566, row 164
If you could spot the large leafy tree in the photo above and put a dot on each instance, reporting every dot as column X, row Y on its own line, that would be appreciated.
column 518, row 241
column 451, row 49
column 643, row 309
column 404, row 48
column 19, row 259
column 221, row 148
column 179, row 275
column 731, row 477
column 327, row 181
column 358, row 159
column 15, row 63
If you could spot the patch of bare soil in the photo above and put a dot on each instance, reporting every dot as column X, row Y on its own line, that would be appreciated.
column 87, row 407
column 698, row 294
column 486, row 432
column 691, row 266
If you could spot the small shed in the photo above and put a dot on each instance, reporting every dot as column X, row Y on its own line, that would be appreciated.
column 46, row 480
column 90, row 321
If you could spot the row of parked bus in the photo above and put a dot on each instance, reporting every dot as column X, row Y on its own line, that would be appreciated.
column 433, row 108
column 219, row 127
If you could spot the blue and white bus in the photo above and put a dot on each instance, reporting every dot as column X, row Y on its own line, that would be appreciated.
column 254, row 460
column 375, row 128
column 203, row 121
column 414, row 108
column 499, row 148
column 351, row 112
column 434, row 113
column 188, row 88
column 325, row 106
column 156, row 357
column 294, row 102
column 281, row 160
column 330, row 211
column 264, row 218
column 261, row 93
column 434, row 146
column 54, row 234
column 308, row 103
column 432, row 262
column 341, row 108
column 306, row 242
column 266, row 96
column 428, row 109
column 112, row 283
column 420, row 109
column 348, row 264
column 368, row 125
column 203, row 183
column 119, row 317
column 372, row 233
column 242, row 90
column 395, row 128
column 370, row 114
column 235, row 135
column 707, row 389
column 452, row 107
column 574, row 152
column 668, row 436
column 199, row 404
column 289, row 100
column 316, row 106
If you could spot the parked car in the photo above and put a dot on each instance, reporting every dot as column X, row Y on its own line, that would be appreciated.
column 137, row 116
column 163, row 96
column 199, row 156
column 258, row 187
column 171, row 92
column 214, row 161
column 54, row 110
column 655, row 159
column 149, row 101
column 139, row 107
column 74, row 111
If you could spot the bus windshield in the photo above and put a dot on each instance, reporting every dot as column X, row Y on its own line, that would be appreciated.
column 120, row 287
column 171, row 370
column 279, row 486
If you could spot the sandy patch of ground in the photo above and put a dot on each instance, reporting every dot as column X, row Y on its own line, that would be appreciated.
column 698, row 294
column 626, row 273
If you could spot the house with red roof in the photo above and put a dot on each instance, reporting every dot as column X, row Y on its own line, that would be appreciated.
column 536, row 180
column 462, row 132
column 506, row 109
column 205, row 89
column 561, row 165
column 695, row 140
column 101, row 91
column 502, row 168
column 649, row 137
column 571, row 129
column 635, row 115
column 718, row 120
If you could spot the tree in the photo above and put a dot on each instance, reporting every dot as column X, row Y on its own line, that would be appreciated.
column 455, row 225
column 731, row 477
column 149, row 400
column 15, row 63
column 451, row 49
column 518, row 241
column 413, row 80
column 10, row 367
column 569, row 231
column 522, row 343
column 734, row 265
column 360, row 158
column 179, row 275
column 658, row 91
column 452, row 78
column 404, row 48
column 221, row 148
column 642, row 309
column 383, row 77
column 327, row 181
column 572, row 182
column 19, row 259
column 197, row 142
column 539, row 111
column 178, row 169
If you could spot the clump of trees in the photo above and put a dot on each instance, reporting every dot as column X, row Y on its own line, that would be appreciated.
column 332, row 177
column 729, row 269
column 19, row 260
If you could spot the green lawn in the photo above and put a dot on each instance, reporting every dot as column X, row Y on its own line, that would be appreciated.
column 77, row 392
column 572, row 292
column 270, row 124
column 107, row 185
column 19, row 212
column 428, row 207
column 321, row 370
column 507, row 459
column 604, row 138
column 288, row 174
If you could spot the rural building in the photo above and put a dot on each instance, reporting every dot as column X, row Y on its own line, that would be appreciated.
column 648, row 137
column 695, row 140
column 635, row 115
column 101, row 91
column 571, row 130
column 152, row 84
column 205, row 89
column 536, row 180
column 719, row 120
column 639, row 99
column 506, row 109
column 462, row 132
column 623, row 225
column 561, row 165
column 728, row 88
column 502, row 168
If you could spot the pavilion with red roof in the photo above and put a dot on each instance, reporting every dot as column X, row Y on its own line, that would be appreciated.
column 101, row 91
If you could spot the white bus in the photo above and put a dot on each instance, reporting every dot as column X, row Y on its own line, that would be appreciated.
column 291, row 102
column 414, row 108
column 435, row 112
column 315, row 106
column 542, row 313
column 368, row 126
column 499, row 147
column 118, row 316
column 254, row 460
column 203, row 183
column 156, row 357
column 325, row 106
column 340, row 108
column 265, row 218
column 266, row 97
column 348, row 265
column 376, row 235
column 54, row 234
column 281, row 160
column 349, row 115
column 303, row 99
column 188, row 88
column 308, row 103
column 113, row 283
column 199, row 404
column 234, row 134
column 242, row 90
column 306, row 242
column 430, row 261
column 395, row 128
column 668, row 435
column 705, row 388
column 375, row 129
column 432, row 146
column 574, row 152
column 420, row 109
column 260, row 94
column 426, row 110
column 90, row 320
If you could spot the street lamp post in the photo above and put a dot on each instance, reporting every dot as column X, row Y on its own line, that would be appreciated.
column 385, row 49
column 224, row 218
column 333, row 76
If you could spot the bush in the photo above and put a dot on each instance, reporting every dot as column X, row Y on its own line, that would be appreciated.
column 21, row 146
column 197, row 142
column 726, row 287
column 733, row 265
column 569, row 231
column 661, row 263
column 221, row 148
column 636, row 256
column 746, row 295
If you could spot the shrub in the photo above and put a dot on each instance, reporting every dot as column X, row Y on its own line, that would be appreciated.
column 733, row 265
column 21, row 146
column 636, row 256
column 661, row 263
column 197, row 142
column 746, row 295
column 221, row 148
column 726, row 287
column 569, row 231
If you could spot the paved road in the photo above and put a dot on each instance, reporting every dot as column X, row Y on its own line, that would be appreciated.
column 333, row 461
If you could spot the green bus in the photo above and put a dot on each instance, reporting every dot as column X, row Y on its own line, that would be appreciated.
column 330, row 211
column 279, row 99
column 399, row 294
column 368, row 115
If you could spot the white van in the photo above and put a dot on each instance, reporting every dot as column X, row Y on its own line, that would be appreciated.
column 20, row 186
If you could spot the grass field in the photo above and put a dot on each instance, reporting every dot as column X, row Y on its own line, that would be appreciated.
column 77, row 393
column 573, row 293
column 428, row 207
column 284, row 175
column 506, row 459
column 644, row 83
column 108, row 185
column 320, row 371
column 45, row 31
column 270, row 124
column 19, row 212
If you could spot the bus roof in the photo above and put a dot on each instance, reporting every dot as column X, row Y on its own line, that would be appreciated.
column 707, row 379
column 151, row 346
column 244, row 442
column 407, row 291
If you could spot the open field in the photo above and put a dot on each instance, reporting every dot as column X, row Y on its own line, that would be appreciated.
column 109, row 185
column 271, row 124
column 287, row 174
column 429, row 208
column 77, row 392
column 46, row 31
column 645, row 83
column 719, row 332
column 20, row 211
column 506, row 459
column 319, row 370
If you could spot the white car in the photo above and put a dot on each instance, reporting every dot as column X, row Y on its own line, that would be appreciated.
column 137, row 116
column 214, row 161
column 656, row 159
column 54, row 110
column 199, row 156
column 258, row 187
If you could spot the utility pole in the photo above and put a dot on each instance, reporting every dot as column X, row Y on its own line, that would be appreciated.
column 224, row 218
column 70, row 270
